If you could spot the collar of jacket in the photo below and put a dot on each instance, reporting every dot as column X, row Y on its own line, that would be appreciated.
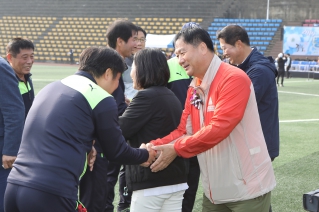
column 26, row 77
column 85, row 74
column 209, row 75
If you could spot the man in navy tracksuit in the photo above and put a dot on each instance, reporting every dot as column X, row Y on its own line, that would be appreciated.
column 98, row 186
column 65, row 118
column 20, row 55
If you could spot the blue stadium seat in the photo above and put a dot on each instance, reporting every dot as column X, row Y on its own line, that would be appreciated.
column 257, row 38
column 255, row 33
column 260, row 43
column 263, row 20
column 260, row 33
column 277, row 25
column 252, row 38
column 274, row 29
column 258, row 29
column 255, row 24
column 252, row 20
column 278, row 20
column 253, row 43
column 268, row 38
column 271, row 24
column 257, row 20
column 213, row 24
column 250, row 24
column 265, row 33
column 271, row 33
column 247, row 20
column 241, row 20
column 261, row 52
column 266, row 43
column 210, row 28
column 243, row 24
column 263, row 48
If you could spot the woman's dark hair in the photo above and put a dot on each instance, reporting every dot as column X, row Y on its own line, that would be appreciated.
column 151, row 68
column 95, row 60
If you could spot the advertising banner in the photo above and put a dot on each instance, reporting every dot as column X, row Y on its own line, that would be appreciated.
column 301, row 41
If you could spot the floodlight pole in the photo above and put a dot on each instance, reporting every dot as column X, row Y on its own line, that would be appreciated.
column 267, row 18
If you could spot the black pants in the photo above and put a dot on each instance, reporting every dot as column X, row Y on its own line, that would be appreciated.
column 112, row 175
column 93, row 186
column 24, row 199
column 282, row 75
column 288, row 73
column 192, row 181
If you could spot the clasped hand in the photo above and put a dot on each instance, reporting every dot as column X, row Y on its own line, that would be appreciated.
column 151, row 152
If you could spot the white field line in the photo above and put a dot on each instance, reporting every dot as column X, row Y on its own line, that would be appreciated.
column 300, row 120
column 305, row 94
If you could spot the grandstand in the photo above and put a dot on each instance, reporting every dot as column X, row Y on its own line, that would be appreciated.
column 55, row 26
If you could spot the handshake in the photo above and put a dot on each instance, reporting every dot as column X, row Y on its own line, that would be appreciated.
column 152, row 154
column 163, row 154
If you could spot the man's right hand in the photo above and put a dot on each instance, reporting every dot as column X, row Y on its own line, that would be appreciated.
column 7, row 161
column 151, row 156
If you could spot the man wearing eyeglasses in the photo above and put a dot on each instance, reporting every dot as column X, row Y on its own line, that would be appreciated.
column 130, row 92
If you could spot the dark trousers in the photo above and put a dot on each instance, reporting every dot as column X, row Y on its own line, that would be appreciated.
column 25, row 199
column 112, row 175
column 282, row 75
column 288, row 73
column 192, row 181
column 4, row 173
column 93, row 186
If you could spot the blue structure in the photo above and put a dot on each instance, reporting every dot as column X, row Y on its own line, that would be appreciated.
column 260, row 31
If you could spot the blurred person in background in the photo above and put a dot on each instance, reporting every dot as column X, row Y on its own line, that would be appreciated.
column 281, row 61
column 287, row 65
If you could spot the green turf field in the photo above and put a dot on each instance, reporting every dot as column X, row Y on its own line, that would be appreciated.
column 297, row 167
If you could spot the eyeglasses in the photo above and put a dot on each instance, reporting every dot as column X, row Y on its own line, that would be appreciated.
column 142, row 40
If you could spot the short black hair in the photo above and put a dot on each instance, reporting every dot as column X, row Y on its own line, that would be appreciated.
column 142, row 30
column 151, row 68
column 119, row 29
column 194, row 36
column 95, row 60
column 17, row 43
column 232, row 33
